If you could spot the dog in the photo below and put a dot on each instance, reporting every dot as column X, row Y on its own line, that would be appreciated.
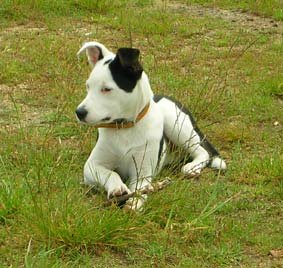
column 134, row 126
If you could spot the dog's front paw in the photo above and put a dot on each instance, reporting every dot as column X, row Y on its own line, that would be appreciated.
column 118, row 191
column 192, row 169
column 135, row 203
column 147, row 189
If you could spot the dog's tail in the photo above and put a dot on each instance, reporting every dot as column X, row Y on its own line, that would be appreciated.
column 218, row 163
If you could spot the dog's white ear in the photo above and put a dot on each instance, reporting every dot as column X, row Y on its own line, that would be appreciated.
column 94, row 52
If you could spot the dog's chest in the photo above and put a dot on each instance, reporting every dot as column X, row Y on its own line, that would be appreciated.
column 148, row 129
column 130, row 146
column 122, row 141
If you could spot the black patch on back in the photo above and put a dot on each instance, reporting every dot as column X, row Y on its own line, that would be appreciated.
column 157, row 98
column 161, row 144
column 125, row 69
column 160, row 150
column 204, row 142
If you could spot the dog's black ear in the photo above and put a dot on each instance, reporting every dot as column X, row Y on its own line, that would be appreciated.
column 129, row 59
column 126, row 69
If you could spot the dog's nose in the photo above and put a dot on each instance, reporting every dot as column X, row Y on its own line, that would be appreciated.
column 81, row 113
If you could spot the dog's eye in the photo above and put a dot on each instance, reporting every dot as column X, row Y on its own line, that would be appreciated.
column 106, row 90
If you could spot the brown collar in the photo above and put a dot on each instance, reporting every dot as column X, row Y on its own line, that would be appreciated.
column 125, row 124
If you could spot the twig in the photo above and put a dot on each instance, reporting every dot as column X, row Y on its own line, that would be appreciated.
column 123, row 198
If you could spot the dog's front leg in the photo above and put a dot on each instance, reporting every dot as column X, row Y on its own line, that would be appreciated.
column 110, row 180
column 98, row 170
column 137, row 185
column 142, row 168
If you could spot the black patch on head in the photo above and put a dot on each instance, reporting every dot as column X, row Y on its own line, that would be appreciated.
column 126, row 69
column 204, row 142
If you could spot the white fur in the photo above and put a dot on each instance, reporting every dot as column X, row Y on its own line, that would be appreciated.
column 125, row 160
column 218, row 163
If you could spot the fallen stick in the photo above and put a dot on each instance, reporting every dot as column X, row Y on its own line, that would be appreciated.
column 157, row 186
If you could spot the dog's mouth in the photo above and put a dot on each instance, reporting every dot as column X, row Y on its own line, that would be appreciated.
column 106, row 119
column 114, row 121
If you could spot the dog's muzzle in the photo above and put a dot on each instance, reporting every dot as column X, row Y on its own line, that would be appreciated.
column 81, row 113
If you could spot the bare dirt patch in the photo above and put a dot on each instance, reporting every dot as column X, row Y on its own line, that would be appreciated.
column 22, row 28
column 13, row 110
column 237, row 17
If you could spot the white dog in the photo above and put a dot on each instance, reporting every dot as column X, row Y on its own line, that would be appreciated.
column 133, row 124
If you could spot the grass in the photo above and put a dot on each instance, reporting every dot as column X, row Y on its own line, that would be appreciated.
column 229, row 77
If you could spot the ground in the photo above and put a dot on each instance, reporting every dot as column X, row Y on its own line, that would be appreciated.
column 222, row 62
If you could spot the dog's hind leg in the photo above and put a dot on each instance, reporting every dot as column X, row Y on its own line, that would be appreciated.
column 181, row 129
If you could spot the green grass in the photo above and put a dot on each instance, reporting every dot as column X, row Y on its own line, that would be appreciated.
column 230, row 78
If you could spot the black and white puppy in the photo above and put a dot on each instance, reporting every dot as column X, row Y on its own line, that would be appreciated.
column 132, row 124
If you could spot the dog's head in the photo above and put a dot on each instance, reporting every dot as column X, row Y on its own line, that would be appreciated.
column 117, row 87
